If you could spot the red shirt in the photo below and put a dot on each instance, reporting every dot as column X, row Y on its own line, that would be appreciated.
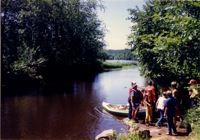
column 153, row 91
column 150, row 97
column 150, row 87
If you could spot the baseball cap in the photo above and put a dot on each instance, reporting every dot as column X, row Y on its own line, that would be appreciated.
column 192, row 81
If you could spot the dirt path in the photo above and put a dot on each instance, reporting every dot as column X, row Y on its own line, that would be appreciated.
column 157, row 133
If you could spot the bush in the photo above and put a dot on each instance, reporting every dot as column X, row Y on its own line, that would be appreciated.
column 192, row 117
column 129, row 136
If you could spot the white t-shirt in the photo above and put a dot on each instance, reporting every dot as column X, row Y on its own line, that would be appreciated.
column 161, row 103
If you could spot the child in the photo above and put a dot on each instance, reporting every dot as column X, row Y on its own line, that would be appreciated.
column 169, row 112
column 160, row 105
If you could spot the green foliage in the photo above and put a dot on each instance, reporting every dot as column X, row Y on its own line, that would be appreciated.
column 27, row 63
column 111, row 65
column 192, row 118
column 124, row 54
column 67, row 33
column 166, row 40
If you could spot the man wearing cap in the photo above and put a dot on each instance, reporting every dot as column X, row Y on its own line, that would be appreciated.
column 169, row 112
column 193, row 92
column 136, row 100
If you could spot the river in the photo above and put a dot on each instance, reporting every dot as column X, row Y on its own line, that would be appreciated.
column 67, row 110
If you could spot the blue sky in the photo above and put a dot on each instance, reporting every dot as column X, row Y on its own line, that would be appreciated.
column 115, row 18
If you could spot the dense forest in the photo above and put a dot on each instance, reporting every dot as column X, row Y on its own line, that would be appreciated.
column 124, row 54
column 166, row 40
column 45, row 39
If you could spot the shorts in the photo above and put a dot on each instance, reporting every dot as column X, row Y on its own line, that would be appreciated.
column 137, row 105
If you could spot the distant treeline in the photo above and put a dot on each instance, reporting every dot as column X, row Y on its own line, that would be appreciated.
column 124, row 54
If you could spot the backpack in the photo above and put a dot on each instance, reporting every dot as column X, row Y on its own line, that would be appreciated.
column 138, row 96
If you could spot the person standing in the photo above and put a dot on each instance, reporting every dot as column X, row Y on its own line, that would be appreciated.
column 169, row 112
column 150, row 86
column 160, row 105
column 176, row 94
column 193, row 92
column 136, row 100
column 149, row 100
column 153, row 91
column 129, row 99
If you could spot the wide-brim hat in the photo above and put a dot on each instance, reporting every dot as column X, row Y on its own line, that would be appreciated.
column 134, row 85
column 133, row 82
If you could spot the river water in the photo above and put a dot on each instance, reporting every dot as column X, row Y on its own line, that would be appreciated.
column 69, row 110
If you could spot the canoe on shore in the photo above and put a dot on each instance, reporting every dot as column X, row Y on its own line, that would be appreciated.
column 119, row 109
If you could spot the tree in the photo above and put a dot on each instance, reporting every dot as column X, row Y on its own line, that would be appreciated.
column 166, row 40
column 50, row 35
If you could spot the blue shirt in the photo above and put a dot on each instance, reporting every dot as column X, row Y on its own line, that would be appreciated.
column 171, row 103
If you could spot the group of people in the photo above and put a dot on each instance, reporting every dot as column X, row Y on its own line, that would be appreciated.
column 167, row 105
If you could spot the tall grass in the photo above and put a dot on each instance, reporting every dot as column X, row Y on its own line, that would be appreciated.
column 117, row 65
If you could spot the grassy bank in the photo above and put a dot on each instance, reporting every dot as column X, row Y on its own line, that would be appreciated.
column 118, row 65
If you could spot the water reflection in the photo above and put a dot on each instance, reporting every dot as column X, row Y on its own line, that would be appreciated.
column 70, row 110
column 115, row 84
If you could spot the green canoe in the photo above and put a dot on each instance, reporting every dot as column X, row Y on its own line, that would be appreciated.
column 121, row 110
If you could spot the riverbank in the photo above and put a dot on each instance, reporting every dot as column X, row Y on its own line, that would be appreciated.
column 140, row 131
column 60, row 73
column 115, row 65
column 157, row 133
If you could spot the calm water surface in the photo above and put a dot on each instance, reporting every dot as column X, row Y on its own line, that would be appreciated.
column 69, row 110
